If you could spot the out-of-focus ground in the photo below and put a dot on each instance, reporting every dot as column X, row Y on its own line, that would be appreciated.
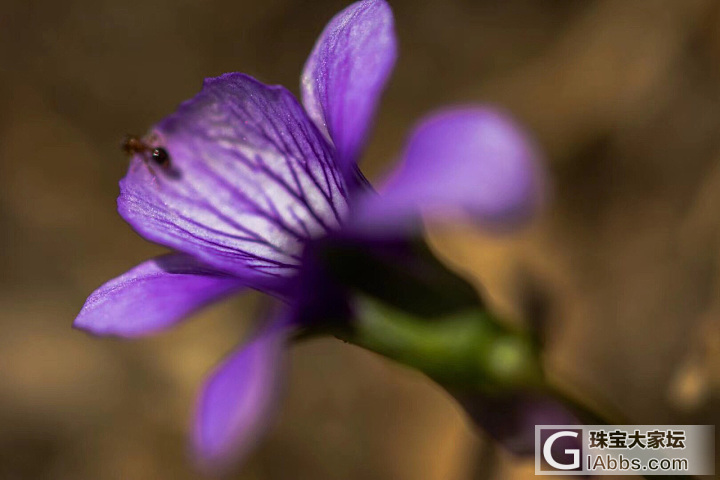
column 623, row 265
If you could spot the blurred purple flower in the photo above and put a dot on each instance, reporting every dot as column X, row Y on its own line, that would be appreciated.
column 256, row 176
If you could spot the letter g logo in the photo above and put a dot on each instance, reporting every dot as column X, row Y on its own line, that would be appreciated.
column 547, row 452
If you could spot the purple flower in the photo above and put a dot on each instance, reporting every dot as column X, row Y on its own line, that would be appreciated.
column 254, row 177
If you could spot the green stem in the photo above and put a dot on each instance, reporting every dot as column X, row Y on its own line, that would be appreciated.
column 467, row 349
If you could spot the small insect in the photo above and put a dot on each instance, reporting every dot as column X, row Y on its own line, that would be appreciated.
column 133, row 145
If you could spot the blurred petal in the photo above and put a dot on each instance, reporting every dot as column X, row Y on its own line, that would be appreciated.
column 459, row 162
column 511, row 419
column 250, row 179
column 346, row 74
column 239, row 399
column 153, row 296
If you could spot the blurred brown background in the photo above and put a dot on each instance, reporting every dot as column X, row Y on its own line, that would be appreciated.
column 624, row 96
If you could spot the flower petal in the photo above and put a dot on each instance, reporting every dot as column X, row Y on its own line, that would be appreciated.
column 346, row 73
column 472, row 161
column 153, row 296
column 239, row 399
column 511, row 419
column 250, row 179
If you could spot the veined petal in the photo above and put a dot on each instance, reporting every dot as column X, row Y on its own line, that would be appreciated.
column 239, row 399
column 153, row 296
column 346, row 73
column 250, row 179
column 474, row 162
